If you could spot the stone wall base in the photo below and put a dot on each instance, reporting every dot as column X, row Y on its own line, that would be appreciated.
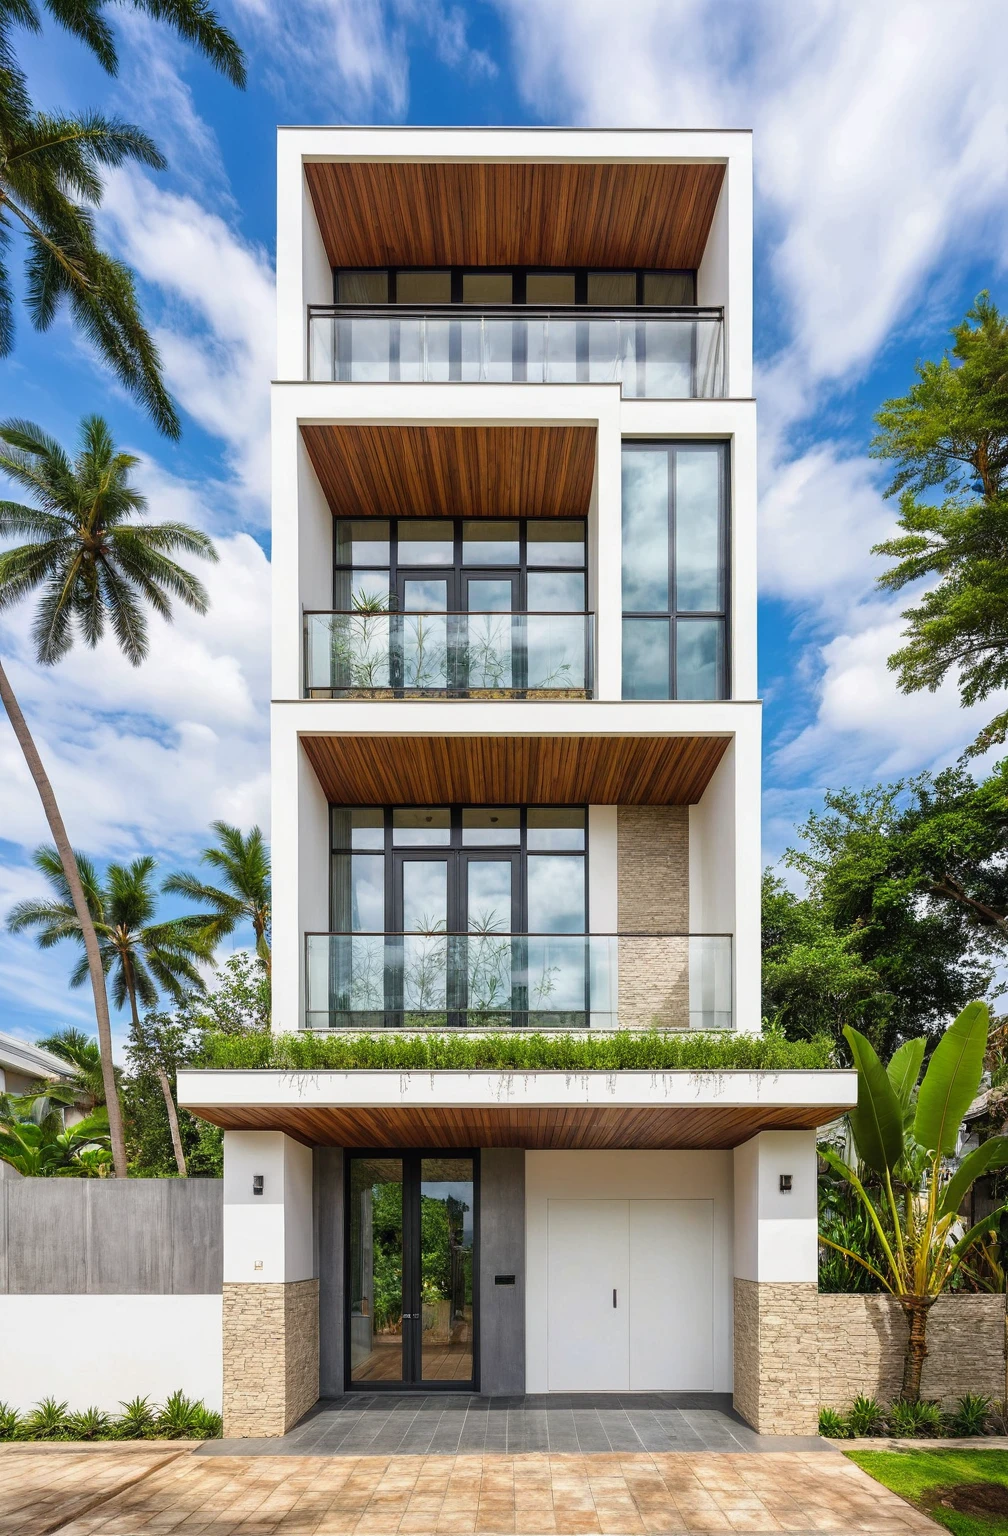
column 797, row 1351
column 777, row 1356
column 271, row 1356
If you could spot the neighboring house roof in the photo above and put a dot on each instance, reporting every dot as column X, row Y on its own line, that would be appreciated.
column 19, row 1056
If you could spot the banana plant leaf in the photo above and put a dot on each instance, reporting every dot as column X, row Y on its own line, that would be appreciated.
column 904, row 1070
column 992, row 1154
column 877, row 1122
column 951, row 1081
column 988, row 1224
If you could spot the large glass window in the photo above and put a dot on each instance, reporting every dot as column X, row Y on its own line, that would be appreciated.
column 602, row 288
column 675, row 541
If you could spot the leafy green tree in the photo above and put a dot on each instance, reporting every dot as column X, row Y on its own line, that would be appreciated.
column 239, row 1002
column 51, row 168
column 913, row 875
column 906, row 1135
column 814, row 979
column 97, row 564
column 949, row 435
column 163, row 1138
column 243, row 895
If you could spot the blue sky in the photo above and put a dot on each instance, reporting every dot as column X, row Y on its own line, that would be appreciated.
column 881, row 182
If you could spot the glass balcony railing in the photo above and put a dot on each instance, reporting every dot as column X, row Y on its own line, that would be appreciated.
column 660, row 355
column 383, row 654
column 439, row 980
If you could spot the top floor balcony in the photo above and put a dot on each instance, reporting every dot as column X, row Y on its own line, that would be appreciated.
column 660, row 353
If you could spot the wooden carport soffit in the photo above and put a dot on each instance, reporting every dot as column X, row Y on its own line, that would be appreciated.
column 564, row 215
column 453, row 471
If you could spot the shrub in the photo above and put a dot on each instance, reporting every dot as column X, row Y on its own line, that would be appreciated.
column 92, row 1424
column 10, row 1422
column 627, row 1050
column 48, row 1420
column 207, row 1425
column 180, row 1418
column 970, row 1417
column 914, row 1419
column 832, row 1424
column 137, row 1420
column 997, row 1417
column 866, row 1417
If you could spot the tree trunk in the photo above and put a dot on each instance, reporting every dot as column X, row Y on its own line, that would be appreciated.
column 173, row 1125
column 916, row 1309
column 72, row 873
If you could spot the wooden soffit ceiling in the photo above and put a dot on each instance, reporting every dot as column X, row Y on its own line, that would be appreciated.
column 579, row 1126
column 401, row 471
column 514, row 770
column 564, row 215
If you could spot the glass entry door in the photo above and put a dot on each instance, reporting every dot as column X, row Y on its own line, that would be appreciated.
column 410, row 1243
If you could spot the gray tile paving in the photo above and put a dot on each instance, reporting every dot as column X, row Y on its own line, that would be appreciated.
column 586, row 1423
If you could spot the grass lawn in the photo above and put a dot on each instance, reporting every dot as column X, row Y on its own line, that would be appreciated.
column 966, row 1491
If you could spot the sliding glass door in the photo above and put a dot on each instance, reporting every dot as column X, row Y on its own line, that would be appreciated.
column 410, row 1245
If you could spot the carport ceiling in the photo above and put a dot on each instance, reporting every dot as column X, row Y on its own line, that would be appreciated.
column 482, row 215
column 434, row 471
column 514, row 770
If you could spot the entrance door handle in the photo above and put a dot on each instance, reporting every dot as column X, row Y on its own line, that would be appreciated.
column 614, row 1296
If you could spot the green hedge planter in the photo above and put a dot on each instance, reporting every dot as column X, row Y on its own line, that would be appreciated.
column 178, row 1418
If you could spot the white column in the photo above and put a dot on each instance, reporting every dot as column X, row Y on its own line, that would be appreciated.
column 267, row 1238
column 776, row 1231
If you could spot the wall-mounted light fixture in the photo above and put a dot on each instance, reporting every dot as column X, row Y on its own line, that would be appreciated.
column 257, row 1183
column 785, row 1183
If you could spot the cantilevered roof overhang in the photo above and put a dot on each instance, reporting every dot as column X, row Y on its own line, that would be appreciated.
column 519, row 1109
column 409, row 213
column 396, row 470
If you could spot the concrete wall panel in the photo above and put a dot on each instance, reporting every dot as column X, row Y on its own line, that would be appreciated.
column 502, row 1252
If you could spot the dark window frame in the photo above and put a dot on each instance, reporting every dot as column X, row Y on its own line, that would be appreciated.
column 458, row 568
column 519, row 275
column 673, row 614
column 455, row 853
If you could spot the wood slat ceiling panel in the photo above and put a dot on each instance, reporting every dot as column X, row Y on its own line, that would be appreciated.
column 402, row 471
column 376, row 215
column 514, row 770
column 710, row 1126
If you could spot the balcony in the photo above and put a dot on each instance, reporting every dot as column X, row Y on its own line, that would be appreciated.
column 664, row 355
column 490, row 980
column 363, row 654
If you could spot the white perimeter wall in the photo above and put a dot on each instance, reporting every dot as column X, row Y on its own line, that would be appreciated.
column 103, row 1350
column 577, row 1175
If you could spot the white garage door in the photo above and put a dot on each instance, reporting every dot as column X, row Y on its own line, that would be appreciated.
column 630, row 1295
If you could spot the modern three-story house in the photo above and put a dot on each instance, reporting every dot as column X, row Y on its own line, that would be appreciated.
column 516, row 786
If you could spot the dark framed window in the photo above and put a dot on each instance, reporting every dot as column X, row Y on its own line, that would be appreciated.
column 460, row 565
column 533, row 286
column 459, row 869
column 675, row 570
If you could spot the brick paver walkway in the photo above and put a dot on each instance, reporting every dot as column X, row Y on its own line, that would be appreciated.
column 494, row 1495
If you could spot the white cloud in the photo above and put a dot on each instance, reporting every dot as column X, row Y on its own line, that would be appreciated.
column 217, row 328
column 347, row 56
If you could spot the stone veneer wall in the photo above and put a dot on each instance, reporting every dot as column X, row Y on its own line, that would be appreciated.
column 862, row 1340
column 652, row 889
column 796, row 1351
column 271, row 1356
column 777, row 1355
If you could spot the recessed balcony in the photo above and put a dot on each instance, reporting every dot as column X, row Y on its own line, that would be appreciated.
column 383, row 655
column 490, row 980
column 663, row 355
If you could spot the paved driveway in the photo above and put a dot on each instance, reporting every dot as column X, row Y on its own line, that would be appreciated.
column 121, row 1491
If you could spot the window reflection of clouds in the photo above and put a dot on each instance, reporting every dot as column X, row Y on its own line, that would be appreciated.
column 645, row 531
column 556, row 894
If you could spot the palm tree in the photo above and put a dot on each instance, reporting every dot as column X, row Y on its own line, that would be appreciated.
column 95, row 564
column 144, row 957
column 244, row 893
column 50, row 184
column 79, row 1051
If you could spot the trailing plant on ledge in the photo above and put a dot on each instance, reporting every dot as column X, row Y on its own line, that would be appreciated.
column 626, row 1050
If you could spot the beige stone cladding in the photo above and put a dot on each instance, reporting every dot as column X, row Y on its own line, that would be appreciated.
column 271, row 1356
column 652, row 879
column 776, row 1356
column 862, row 1341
